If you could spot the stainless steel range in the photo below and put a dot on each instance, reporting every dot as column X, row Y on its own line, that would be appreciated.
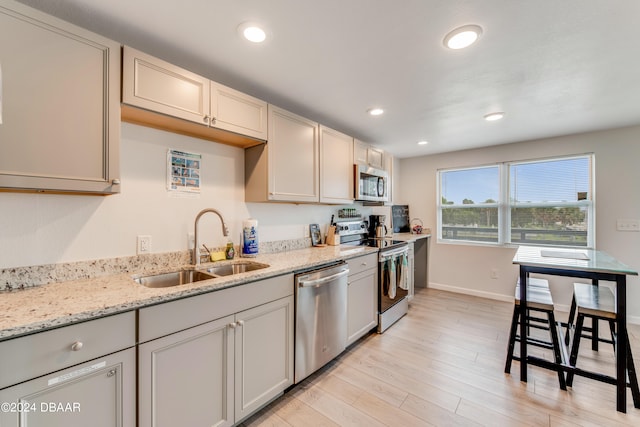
column 393, row 286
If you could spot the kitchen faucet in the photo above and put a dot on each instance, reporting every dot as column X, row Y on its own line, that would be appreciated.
column 196, row 244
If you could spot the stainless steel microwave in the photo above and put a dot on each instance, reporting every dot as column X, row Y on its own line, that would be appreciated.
column 371, row 185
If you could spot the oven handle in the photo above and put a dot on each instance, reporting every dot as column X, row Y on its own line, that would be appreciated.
column 321, row 281
column 393, row 253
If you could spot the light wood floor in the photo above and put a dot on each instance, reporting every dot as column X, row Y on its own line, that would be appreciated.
column 442, row 365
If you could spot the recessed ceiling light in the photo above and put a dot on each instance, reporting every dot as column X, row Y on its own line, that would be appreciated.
column 462, row 37
column 252, row 32
column 375, row 111
column 492, row 117
column 423, row 142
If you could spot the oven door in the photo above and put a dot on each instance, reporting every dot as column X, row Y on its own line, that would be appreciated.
column 393, row 278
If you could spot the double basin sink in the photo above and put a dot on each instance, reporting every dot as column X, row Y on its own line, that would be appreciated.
column 192, row 275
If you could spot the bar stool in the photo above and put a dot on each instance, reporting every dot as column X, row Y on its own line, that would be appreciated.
column 586, row 292
column 598, row 303
column 539, row 299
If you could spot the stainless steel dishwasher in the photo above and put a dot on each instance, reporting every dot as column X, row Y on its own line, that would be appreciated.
column 321, row 317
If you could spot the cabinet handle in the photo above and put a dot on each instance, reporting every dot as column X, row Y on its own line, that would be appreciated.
column 115, row 181
column 77, row 346
column 232, row 325
column 240, row 323
column 364, row 264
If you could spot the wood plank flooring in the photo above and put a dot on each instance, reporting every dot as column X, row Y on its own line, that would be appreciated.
column 442, row 365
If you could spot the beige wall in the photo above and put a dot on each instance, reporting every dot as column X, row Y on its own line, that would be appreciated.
column 466, row 268
column 47, row 229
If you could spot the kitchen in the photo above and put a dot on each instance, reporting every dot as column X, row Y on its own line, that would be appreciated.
column 54, row 229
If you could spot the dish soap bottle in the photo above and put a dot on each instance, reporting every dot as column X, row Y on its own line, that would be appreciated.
column 229, row 251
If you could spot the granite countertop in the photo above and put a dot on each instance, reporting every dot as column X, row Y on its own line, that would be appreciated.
column 48, row 306
column 409, row 237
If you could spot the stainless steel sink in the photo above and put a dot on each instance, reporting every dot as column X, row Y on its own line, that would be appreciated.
column 235, row 268
column 173, row 278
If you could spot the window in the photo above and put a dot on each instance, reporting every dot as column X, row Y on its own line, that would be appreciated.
column 543, row 202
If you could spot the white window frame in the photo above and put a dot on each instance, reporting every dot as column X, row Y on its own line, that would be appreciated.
column 504, row 206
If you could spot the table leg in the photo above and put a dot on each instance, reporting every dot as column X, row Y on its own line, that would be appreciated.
column 621, row 343
column 523, row 323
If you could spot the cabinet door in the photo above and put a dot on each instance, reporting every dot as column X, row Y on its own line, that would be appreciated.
column 360, row 152
column 375, row 158
column 336, row 167
column 293, row 165
column 98, row 393
column 60, row 118
column 238, row 112
column 186, row 378
column 362, row 304
column 157, row 85
column 264, row 354
column 411, row 270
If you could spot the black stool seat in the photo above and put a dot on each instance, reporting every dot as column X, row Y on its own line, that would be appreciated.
column 539, row 299
column 598, row 303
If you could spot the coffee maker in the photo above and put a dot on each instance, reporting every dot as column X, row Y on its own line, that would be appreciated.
column 377, row 228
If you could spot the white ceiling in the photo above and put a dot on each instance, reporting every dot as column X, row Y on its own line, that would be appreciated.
column 555, row 67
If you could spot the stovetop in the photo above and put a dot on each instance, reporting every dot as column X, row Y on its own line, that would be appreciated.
column 376, row 243
column 354, row 233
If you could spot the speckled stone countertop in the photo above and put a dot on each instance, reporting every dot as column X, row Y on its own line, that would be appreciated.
column 34, row 309
column 409, row 237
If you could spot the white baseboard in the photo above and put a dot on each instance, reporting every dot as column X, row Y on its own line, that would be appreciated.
column 635, row 320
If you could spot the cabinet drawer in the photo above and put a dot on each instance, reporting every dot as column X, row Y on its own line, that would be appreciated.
column 164, row 319
column 356, row 265
column 39, row 354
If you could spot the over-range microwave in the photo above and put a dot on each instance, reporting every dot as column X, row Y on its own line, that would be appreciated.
column 371, row 185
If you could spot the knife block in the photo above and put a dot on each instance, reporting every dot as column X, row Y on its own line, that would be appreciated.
column 333, row 239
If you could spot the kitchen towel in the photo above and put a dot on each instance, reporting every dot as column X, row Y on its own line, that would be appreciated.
column 403, row 279
column 393, row 277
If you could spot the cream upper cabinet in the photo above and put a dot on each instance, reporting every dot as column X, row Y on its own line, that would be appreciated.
column 157, row 86
column 365, row 154
column 153, row 84
column 60, row 124
column 238, row 112
column 336, row 167
column 287, row 167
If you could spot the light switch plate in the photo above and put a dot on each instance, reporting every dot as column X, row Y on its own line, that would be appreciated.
column 143, row 245
column 628, row 225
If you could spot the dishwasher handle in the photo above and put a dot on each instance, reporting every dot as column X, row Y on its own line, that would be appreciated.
column 322, row 280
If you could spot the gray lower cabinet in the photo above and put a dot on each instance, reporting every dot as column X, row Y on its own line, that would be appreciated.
column 362, row 299
column 99, row 393
column 218, row 372
column 75, row 376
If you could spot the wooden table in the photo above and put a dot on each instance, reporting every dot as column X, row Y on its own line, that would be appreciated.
column 585, row 264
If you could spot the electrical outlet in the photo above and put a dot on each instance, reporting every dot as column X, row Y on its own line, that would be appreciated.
column 494, row 273
column 628, row 225
column 144, row 245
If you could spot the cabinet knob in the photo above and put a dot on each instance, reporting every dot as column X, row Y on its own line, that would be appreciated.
column 364, row 264
column 232, row 325
column 240, row 322
column 115, row 181
column 77, row 346
column 213, row 120
column 205, row 119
